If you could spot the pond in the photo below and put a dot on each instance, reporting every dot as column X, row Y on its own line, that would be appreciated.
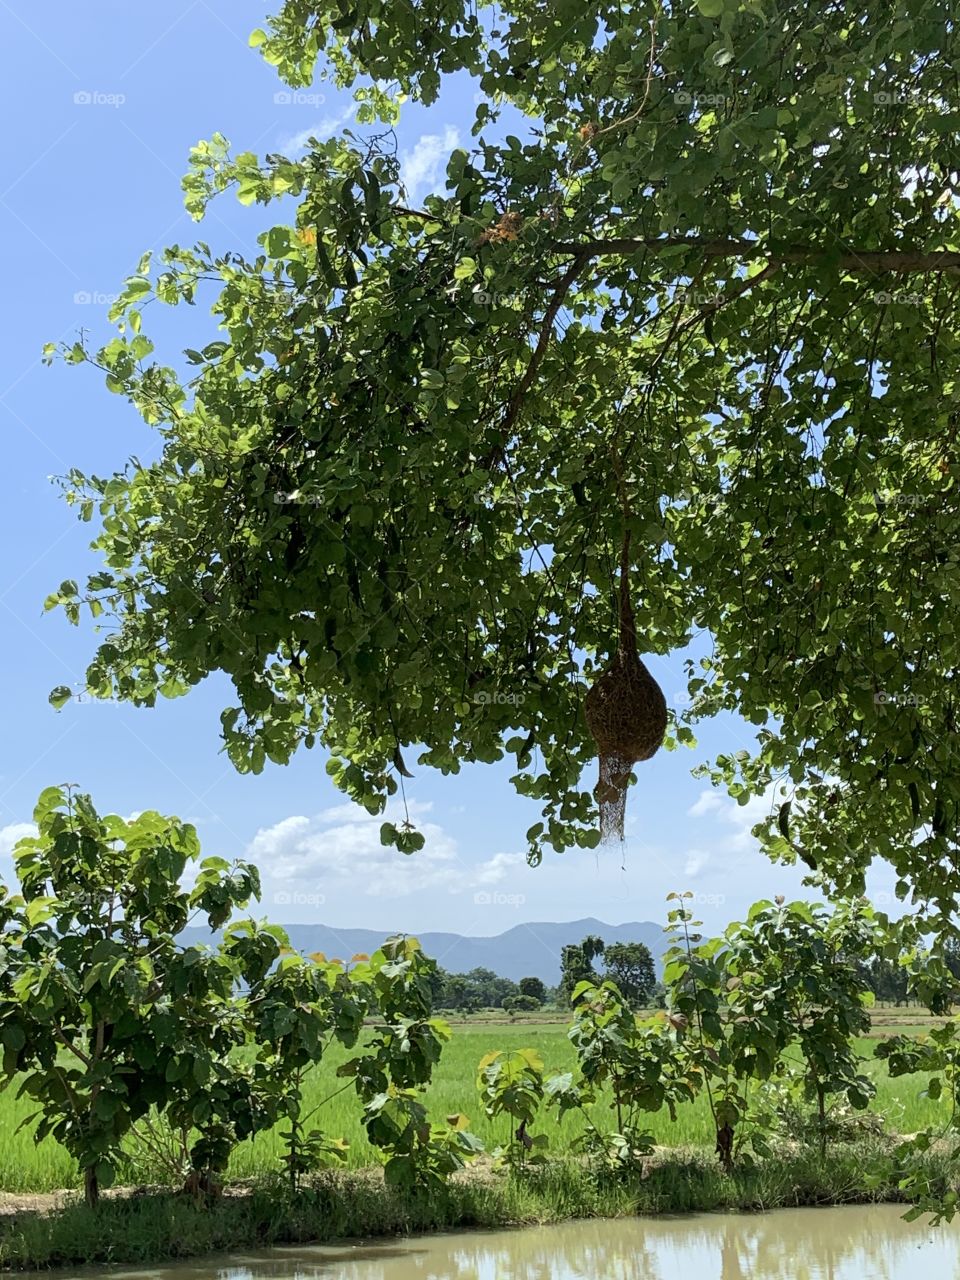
column 870, row 1242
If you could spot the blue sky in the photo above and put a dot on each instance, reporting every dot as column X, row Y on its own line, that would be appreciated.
column 102, row 106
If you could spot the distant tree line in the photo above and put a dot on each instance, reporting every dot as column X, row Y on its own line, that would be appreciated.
column 628, row 964
column 631, row 967
column 890, row 982
column 483, row 989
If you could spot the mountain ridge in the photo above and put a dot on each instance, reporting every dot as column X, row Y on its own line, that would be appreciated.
column 528, row 950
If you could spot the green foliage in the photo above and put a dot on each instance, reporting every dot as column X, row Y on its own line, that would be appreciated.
column 118, row 1031
column 126, row 1039
column 939, row 1054
column 789, row 978
column 297, row 1008
column 103, row 1014
column 576, row 964
column 396, row 1064
column 467, row 992
column 637, row 1060
column 390, row 419
column 511, row 1084
column 522, row 1004
column 629, row 965
column 535, row 988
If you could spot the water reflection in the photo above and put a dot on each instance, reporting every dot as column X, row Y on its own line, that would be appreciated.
column 851, row 1243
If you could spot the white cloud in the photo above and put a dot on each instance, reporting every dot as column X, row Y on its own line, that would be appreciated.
column 422, row 168
column 9, row 836
column 742, row 818
column 339, row 850
column 696, row 861
column 706, row 802
column 322, row 130
column 498, row 867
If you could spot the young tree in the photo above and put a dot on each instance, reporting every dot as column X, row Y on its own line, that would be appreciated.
column 630, row 966
column 395, row 1065
column 789, row 977
column 699, row 318
column 103, row 1013
column 625, row 1065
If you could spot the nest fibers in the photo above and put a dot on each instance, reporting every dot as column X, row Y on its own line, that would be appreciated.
column 626, row 714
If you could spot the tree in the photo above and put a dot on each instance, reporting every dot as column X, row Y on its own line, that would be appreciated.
column 702, row 316
column 576, row 964
column 459, row 993
column 791, row 976
column 491, row 990
column 511, row 1084
column 520, row 1004
column 534, row 987
column 951, row 953
column 887, row 980
column 395, row 1066
column 641, row 1064
column 630, row 966
column 439, row 979
column 103, row 1013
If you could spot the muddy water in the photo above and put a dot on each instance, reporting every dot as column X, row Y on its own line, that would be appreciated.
column 861, row 1243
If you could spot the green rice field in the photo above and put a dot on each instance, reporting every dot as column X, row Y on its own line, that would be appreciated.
column 28, row 1166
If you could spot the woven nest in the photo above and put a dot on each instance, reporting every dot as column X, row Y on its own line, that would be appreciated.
column 626, row 714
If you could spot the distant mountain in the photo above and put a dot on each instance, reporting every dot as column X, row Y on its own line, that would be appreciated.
column 525, row 951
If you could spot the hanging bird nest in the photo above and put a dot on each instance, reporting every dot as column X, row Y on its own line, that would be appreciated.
column 626, row 714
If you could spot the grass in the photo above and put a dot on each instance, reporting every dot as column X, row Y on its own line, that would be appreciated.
column 27, row 1166
column 167, row 1227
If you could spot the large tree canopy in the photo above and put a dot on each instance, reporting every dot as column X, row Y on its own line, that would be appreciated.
column 711, row 296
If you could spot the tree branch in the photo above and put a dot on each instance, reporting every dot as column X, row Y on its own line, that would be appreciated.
column 871, row 260
column 546, row 330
